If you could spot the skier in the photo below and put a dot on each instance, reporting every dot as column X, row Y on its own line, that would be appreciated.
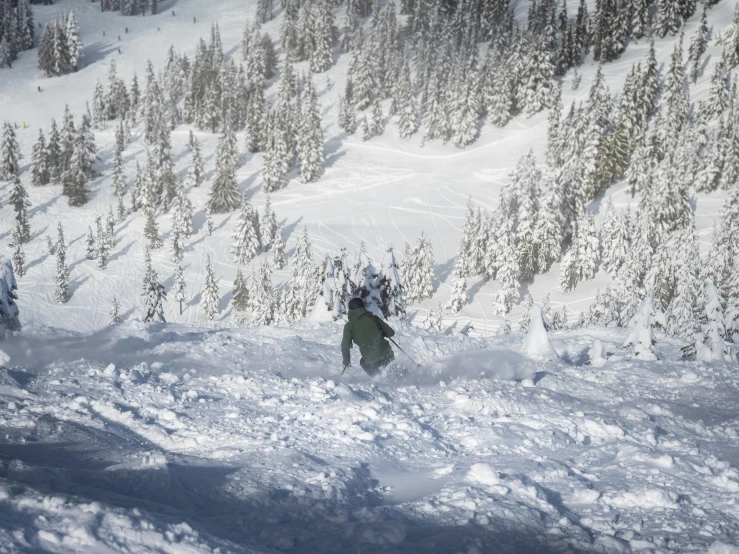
column 172, row 13
column 368, row 332
column 103, row 33
column 39, row 88
column 119, row 51
column 194, row 19
column 126, row 29
column 119, row 37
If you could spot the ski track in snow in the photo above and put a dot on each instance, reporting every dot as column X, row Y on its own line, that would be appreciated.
column 177, row 438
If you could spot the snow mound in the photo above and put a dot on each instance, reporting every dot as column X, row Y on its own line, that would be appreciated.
column 722, row 548
column 482, row 474
column 595, row 354
column 647, row 499
column 536, row 345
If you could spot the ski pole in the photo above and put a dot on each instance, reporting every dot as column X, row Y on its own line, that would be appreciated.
column 404, row 352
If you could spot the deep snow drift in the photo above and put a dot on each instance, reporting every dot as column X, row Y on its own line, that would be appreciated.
column 184, row 439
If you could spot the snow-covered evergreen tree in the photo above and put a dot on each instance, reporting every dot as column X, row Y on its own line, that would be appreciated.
column 197, row 168
column 210, row 299
column 115, row 312
column 507, row 272
column 641, row 337
column 418, row 271
column 182, row 217
column 310, row 137
column 119, row 183
column 240, row 298
column 154, row 297
column 151, row 230
column 528, row 302
column 61, row 292
column 615, row 237
column 710, row 343
column 18, row 257
column 393, row 292
column 10, row 154
column 224, row 194
column 101, row 240
column 261, row 295
column 682, row 314
column 698, row 47
column 536, row 78
column 40, row 169
column 247, row 242
column 180, row 287
column 20, row 202
column 347, row 116
column 581, row 260
column 668, row 20
column 278, row 251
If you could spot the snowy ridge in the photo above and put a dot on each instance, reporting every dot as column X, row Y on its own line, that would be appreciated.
column 180, row 436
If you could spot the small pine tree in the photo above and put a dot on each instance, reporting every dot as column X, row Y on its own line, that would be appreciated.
column 209, row 221
column 182, row 218
column 180, row 290
column 641, row 337
column 151, row 230
column 155, row 295
column 19, row 257
column 418, row 270
column 40, row 169
column 10, row 154
column 20, row 202
column 176, row 246
column 278, row 252
column 240, row 297
column 507, row 274
column 523, row 324
column 247, row 243
column 710, row 343
column 310, row 138
column 115, row 312
column 61, row 292
column 91, row 249
column 269, row 228
column 210, row 300
column 459, row 296
column 224, row 194
column 102, row 244
column 261, row 296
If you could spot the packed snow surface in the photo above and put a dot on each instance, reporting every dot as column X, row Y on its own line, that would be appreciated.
column 169, row 438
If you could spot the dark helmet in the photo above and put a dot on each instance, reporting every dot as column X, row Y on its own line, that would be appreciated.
column 355, row 303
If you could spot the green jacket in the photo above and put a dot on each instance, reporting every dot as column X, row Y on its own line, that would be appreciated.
column 368, row 332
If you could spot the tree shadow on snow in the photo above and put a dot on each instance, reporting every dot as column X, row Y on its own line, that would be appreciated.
column 76, row 459
column 442, row 273
column 96, row 52
column 76, row 284
column 36, row 262
column 288, row 230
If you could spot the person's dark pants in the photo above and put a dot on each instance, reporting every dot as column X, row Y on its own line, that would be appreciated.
column 373, row 369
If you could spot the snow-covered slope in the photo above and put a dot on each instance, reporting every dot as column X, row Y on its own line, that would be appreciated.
column 382, row 192
column 182, row 439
